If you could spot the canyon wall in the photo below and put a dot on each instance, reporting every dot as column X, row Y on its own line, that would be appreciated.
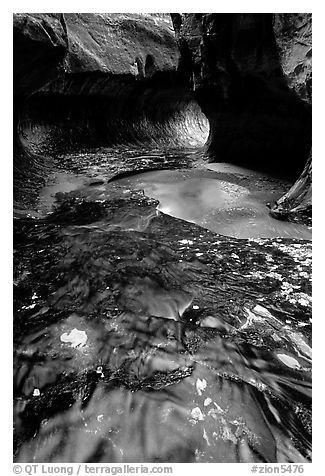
column 251, row 74
column 96, row 79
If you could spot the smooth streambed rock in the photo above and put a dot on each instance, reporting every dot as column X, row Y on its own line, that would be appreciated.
column 184, row 327
column 140, row 296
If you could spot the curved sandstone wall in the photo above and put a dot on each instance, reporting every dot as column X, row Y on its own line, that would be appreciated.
column 98, row 79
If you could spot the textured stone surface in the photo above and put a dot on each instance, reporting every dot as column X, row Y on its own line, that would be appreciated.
column 40, row 44
column 114, row 80
column 293, row 34
column 120, row 44
column 134, row 44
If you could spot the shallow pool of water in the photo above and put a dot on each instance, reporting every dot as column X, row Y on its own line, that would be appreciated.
column 231, row 201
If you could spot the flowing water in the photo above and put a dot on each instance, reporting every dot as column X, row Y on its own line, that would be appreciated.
column 142, row 334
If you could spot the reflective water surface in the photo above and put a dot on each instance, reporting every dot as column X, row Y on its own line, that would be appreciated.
column 140, row 337
column 233, row 206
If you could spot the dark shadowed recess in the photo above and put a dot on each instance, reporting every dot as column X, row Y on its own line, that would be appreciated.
column 158, row 111
column 255, row 118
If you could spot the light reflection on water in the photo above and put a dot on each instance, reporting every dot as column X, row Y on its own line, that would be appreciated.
column 225, row 207
column 154, row 381
column 227, row 403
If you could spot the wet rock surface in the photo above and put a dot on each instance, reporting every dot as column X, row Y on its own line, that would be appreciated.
column 142, row 337
column 296, row 204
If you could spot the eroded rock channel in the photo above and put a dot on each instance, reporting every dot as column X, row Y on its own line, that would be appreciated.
column 162, row 314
